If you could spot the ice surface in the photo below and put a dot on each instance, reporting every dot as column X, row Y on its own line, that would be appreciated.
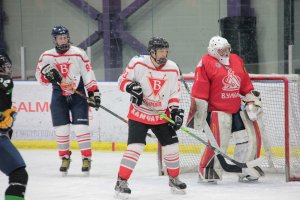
column 46, row 183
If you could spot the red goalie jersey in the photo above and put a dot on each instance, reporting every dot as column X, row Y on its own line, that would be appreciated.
column 221, row 86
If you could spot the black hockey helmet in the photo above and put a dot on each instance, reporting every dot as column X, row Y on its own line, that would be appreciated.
column 60, row 30
column 157, row 43
column 5, row 65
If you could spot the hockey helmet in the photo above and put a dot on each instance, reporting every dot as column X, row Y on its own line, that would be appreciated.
column 157, row 43
column 5, row 65
column 220, row 49
column 60, row 30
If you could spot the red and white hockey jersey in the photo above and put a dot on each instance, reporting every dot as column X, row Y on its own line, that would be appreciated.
column 161, row 88
column 221, row 86
column 72, row 64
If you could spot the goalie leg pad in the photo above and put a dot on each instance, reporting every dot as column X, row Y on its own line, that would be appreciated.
column 63, row 139
column 248, row 145
column 129, row 159
column 171, row 159
column 83, row 137
column 220, row 124
column 254, row 134
column 241, row 145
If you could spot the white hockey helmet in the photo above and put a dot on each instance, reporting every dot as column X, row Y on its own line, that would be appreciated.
column 220, row 49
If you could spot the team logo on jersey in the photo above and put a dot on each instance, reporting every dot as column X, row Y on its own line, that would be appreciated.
column 63, row 67
column 156, row 84
column 231, row 81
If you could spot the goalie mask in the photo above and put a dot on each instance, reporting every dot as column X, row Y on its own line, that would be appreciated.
column 5, row 65
column 220, row 49
column 61, row 31
column 156, row 43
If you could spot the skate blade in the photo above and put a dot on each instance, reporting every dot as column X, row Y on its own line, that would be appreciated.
column 64, row 174
column 209, row 182
column 86, row 173
column 248, row 181
column 175, row 190
column 122, row 196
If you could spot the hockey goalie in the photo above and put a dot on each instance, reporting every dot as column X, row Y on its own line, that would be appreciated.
column 220, row 80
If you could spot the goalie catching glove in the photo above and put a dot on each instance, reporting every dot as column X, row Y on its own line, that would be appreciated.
column 94, row 99
column 7, row 119
column 135, row 89
column 51, row 74
column 253, row 103
column 177, row 116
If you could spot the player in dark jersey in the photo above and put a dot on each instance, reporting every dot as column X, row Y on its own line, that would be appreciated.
column 11, row 162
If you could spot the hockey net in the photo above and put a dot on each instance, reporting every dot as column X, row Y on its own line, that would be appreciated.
column 280, row 96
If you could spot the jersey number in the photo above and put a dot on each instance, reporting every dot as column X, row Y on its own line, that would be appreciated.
column 5, row 82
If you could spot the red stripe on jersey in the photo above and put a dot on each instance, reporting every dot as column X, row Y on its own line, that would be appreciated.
column 122, row 85
column 174, row 100
column 64, row 55
column 154, row 69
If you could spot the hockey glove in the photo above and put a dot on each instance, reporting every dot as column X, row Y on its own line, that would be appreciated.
column 94, row 99
column 51, row 74
column 7, row 119
column 6, row 82
column 253, row 105
column 136, row 92
column 177, row 116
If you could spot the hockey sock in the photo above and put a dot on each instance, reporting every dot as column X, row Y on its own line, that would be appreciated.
column 63, row 140
column 129, row 160
column 171, row 159
column 83, row 138
column 17, row 185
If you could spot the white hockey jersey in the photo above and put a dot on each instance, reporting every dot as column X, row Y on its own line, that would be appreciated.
column 72, row 64
column 161, row 88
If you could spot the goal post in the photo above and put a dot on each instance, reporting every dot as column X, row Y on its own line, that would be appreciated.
column 280, row 96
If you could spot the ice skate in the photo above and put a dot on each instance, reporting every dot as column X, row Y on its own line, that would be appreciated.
column 247, row 179
column 86, row 166
column 177, row 186
column 207, row 181
column 66, row 160
column 122, row 190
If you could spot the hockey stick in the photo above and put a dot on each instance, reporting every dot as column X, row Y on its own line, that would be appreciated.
column 220, row 155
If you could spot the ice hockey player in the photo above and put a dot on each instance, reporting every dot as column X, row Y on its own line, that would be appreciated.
column 154, row 80
column 220, row 79
column 68, row 68
column 11, row 161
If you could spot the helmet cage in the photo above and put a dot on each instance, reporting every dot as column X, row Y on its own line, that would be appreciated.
column 220, row 49
column 60, row 30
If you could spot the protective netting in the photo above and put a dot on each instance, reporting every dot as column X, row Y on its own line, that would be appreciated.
column 281, row 106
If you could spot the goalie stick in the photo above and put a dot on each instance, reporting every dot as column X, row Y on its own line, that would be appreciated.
column 237, row 168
